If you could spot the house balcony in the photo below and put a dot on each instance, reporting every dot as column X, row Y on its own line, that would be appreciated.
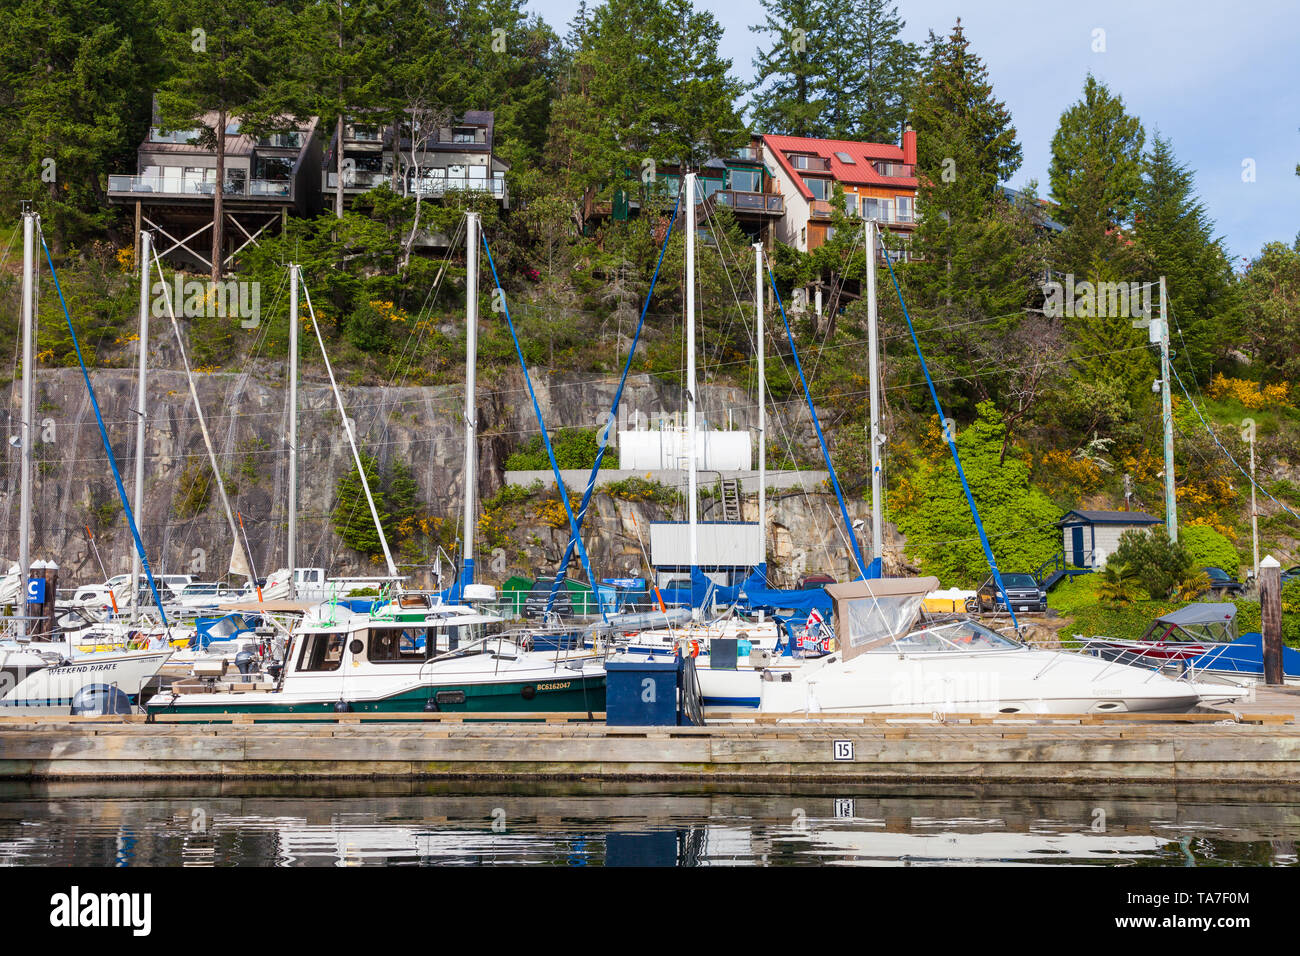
column 168, row 187
column 357, row 179
column 767, row 204
column 820, row 209
column 748, row 154
column 361, row 180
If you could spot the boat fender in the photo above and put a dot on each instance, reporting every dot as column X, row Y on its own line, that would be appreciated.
column 528, row 692
column 431, row 706
column 342, row 707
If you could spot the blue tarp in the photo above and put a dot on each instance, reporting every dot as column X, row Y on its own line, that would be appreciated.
column 752, row 593
column 1245, row 656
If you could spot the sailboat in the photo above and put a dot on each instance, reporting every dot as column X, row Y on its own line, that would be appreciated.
column 408, row 651
column 49, row 672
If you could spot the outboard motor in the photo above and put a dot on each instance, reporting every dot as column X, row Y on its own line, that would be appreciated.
column 245, row 662
column 98, row 700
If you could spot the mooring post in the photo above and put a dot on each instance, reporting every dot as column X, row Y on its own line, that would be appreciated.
column 1270, row 614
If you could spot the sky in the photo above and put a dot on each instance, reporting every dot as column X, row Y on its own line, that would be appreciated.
column 1220, row 79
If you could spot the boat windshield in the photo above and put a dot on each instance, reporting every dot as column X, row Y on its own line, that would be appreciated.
column 945, row 638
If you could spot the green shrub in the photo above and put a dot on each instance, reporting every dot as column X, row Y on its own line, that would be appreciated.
column 1161, row 564
column 573, row 447
column 1207, row 548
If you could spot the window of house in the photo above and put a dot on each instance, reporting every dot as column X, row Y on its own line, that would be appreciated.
column 820, row 188
column 321, row 652
column 464, row 134
column 803, row 236
column 273, row 168
column 746, row 180
column 904, row 209
column 851, row 204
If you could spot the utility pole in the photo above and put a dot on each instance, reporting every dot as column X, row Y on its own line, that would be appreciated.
column 1167, row 414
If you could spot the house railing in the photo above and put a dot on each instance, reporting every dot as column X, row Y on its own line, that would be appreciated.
column 821, row 209
column 159, row 185
column 358, row 179
column 758, row 202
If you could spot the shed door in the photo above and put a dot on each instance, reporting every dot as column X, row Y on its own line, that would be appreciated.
column 1076, row 541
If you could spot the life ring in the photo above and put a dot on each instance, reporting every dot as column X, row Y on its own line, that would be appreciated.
column 526, row 643
column 695, row 648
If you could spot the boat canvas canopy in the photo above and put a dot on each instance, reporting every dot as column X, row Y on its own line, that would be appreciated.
column 869, row 613
column 1215, row 622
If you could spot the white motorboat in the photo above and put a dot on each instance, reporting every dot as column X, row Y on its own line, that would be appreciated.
column 891, row 659
column 47, row 677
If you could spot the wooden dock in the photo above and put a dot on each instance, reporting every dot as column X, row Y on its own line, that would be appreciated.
column 1257, row 744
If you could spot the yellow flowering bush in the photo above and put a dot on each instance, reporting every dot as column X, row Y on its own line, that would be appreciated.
column 1250, row 394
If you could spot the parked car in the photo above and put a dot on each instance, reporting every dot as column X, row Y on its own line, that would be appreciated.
column 535, row 602
column 1023, row 589
column 1223, row 584
column 815, row 581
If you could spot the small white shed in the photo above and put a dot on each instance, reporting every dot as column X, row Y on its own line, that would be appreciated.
column 1090, row 537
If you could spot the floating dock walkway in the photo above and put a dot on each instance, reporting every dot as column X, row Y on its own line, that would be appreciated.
column 1258, row 743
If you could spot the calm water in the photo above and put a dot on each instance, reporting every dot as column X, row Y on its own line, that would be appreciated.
column 312, row 823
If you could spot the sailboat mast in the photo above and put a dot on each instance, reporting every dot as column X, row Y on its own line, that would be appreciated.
column 26, row 433
column 692, row 479
column 873, row 379
column 471, row 414
column 293, row 431
column 762, row 394
column 142, row 417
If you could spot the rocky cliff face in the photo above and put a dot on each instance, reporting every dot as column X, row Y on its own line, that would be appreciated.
column 421, row 426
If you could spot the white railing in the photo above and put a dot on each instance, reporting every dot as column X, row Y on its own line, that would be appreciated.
column 167, row 186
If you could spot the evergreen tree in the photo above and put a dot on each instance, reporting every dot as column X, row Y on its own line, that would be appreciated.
column 223, row 61
column 75, row 86
column 889, row 64
column 648, row 85
column 1270, row 292
column 351, row 516
column 981, row 256
column 1095, row 174
column 790, row 104
column 1174, row 234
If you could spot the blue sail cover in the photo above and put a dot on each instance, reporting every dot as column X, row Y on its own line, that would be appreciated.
column 1245, row 656
column 751, row 594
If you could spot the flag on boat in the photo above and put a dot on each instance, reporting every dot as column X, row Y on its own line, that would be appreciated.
column 811, row 640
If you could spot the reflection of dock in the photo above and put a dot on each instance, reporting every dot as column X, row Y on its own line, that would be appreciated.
column 1260, row 743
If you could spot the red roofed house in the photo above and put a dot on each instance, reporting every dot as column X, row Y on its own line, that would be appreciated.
column 879, row 183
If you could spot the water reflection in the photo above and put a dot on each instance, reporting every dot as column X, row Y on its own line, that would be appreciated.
column 365, row 823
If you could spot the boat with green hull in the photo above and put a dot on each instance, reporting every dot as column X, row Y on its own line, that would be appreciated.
column 400, row 656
